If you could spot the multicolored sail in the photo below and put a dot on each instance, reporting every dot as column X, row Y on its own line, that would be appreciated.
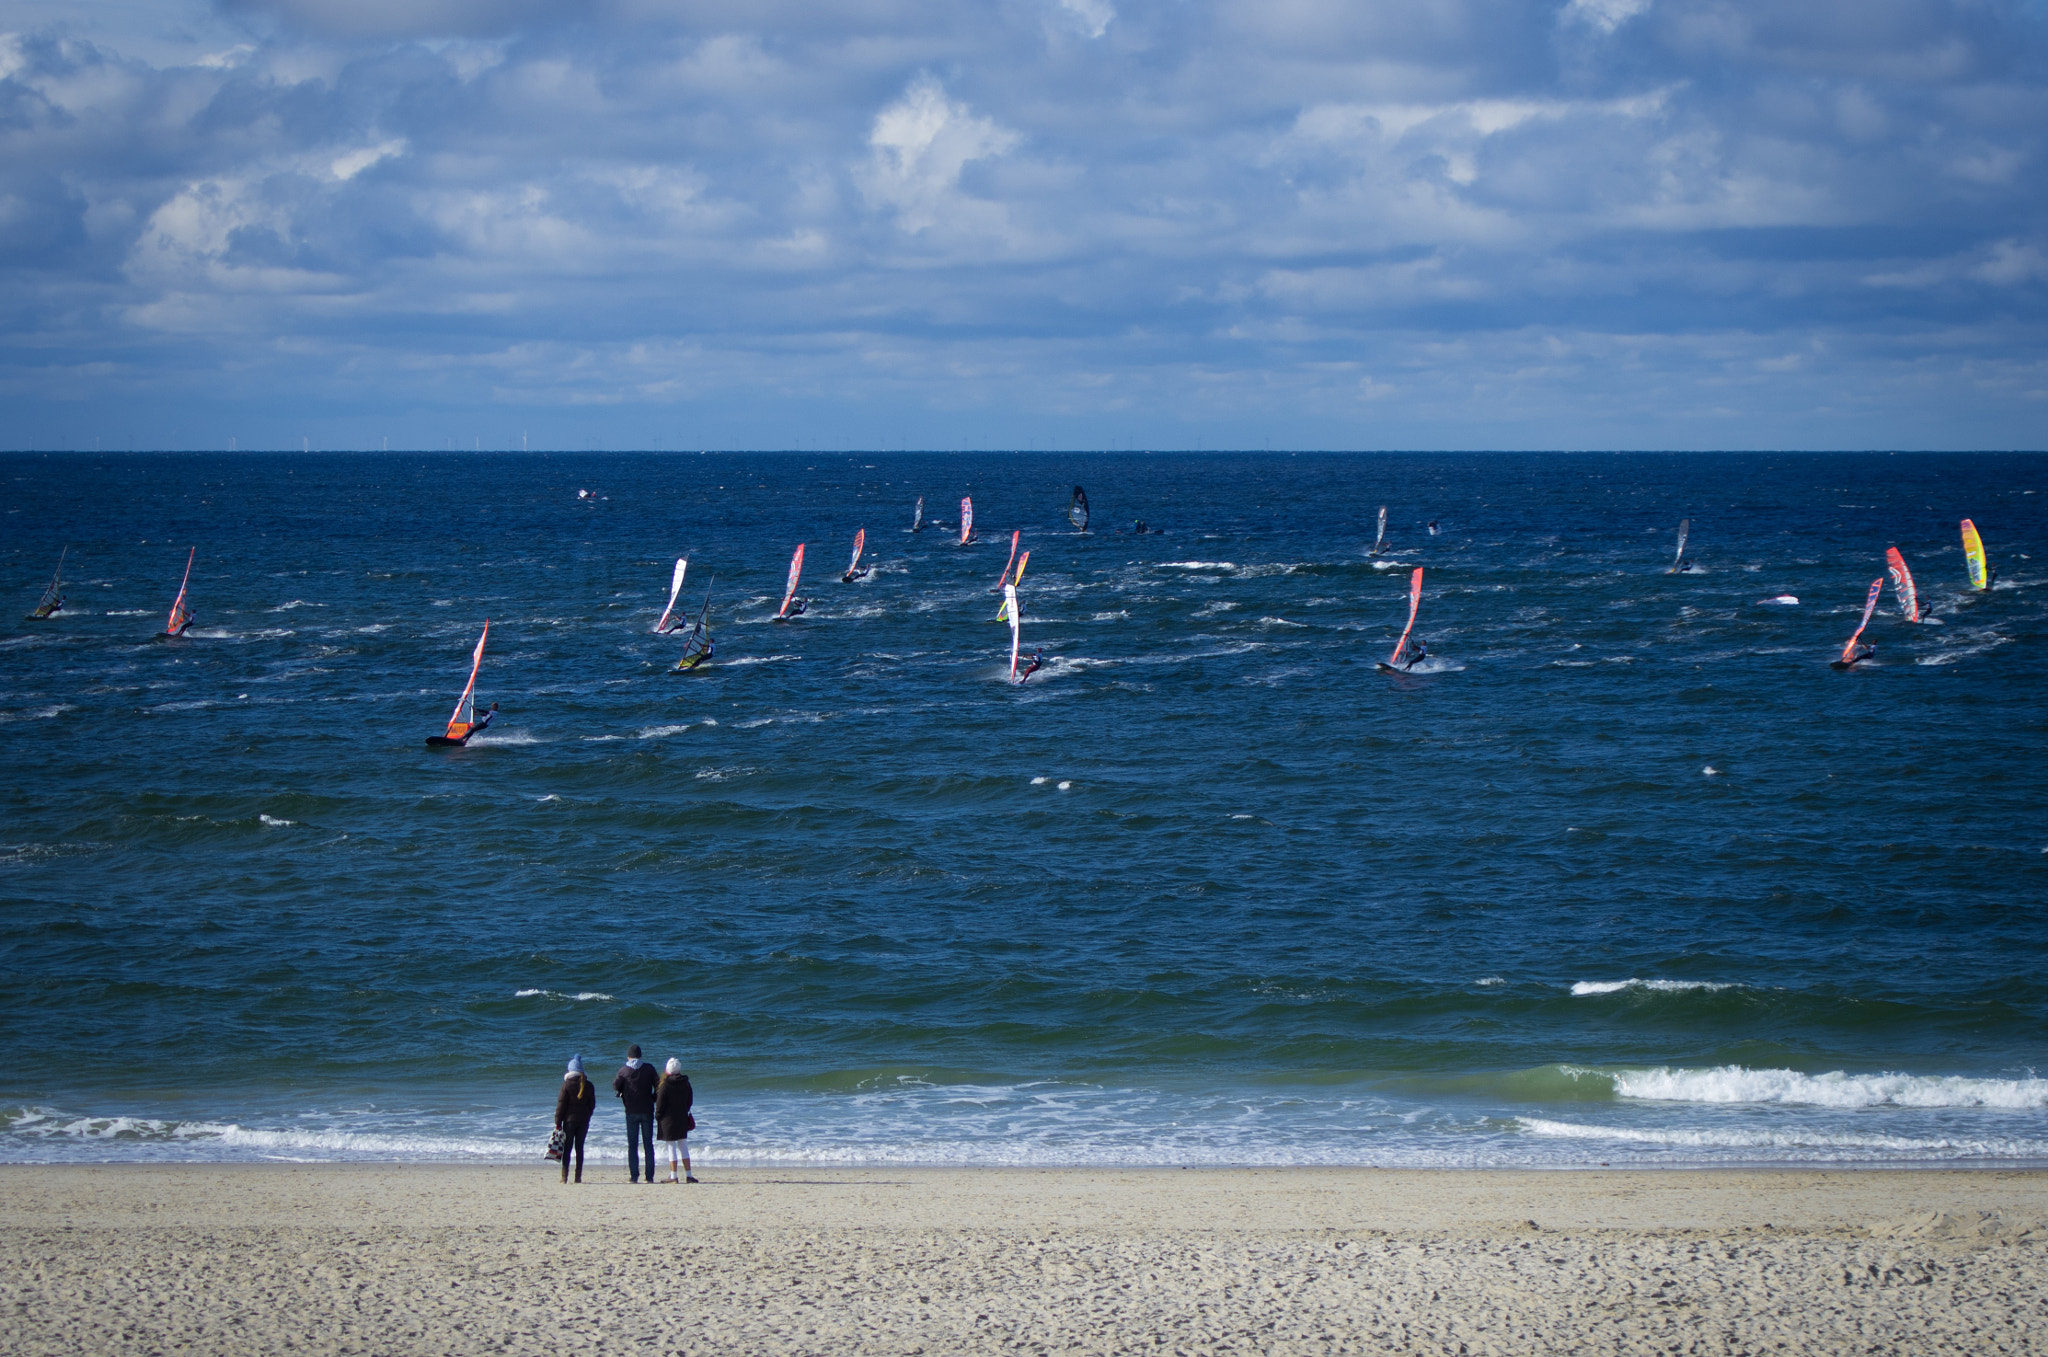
column 1678, row 557
column 181, row 616
column 1077, row 510
column 1902, row 584
column 1005, row 576
column 1003, row 608
column 1414, row 604
column 966, row 519
column 796, row 570
column 1973, row 555
column 463, row 718
column 860, row 544
column 1869, row 606
column 1016, row 626
column 675, row 586
column 52, row 601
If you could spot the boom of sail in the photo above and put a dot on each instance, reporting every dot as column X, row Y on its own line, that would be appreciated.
column 1077, row 510
column 1902, row 584
column 675, row 586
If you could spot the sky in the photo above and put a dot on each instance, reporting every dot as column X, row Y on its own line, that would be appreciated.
column 1023, row 224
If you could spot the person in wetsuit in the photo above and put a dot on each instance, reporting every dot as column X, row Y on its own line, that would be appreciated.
column 1032, row 668
column 1417, row 653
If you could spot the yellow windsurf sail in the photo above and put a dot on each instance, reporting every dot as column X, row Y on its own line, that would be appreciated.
column 1973, row 554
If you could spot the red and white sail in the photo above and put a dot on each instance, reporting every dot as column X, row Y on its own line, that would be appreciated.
column 1003, row 608
column 1004, row 578
column 1414, row 603
column 1902, row 584
column 1869, row 607
column 966, row 519
column 796, row 570
column 675, row 586
column 181, row 616
column 464, row 715
column 860, row 544
column 1016, row 627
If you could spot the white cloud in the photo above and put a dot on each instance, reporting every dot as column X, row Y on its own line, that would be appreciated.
column 1092, row 17
column 920, row 145
column 1604, row 15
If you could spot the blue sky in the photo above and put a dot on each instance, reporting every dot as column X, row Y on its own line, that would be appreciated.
column 1027, row 223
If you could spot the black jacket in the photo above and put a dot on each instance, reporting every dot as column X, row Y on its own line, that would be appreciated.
column 575, row 1103
column 635, row 1088
column 672, row 1107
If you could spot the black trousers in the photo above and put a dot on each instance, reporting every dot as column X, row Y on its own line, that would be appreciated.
column 575, row 1131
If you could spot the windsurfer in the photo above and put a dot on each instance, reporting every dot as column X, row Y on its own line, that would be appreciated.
column 797, row 606
column 1417, row 653
column 1432, row 527
column 474, row 727
column 1037, row 661
column 1862, row 650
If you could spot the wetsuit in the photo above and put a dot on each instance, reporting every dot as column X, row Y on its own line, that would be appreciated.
column 1032, row 668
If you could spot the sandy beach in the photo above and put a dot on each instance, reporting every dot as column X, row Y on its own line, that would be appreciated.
column 381, row 1259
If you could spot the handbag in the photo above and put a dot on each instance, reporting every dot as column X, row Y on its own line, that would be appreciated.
column 557, row 1143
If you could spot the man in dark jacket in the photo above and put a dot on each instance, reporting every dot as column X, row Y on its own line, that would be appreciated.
column 634, row 1084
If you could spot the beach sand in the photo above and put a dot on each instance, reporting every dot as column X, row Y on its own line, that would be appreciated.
column 428, row 1259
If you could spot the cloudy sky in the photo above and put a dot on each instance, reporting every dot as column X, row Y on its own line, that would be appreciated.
column 1024, row 223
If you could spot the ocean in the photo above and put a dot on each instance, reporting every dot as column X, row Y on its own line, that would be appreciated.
column 1624, row 874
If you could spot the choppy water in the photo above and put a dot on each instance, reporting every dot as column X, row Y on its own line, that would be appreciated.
column 1631, row 876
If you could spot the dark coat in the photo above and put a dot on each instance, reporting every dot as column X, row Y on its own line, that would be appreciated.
column 672, row 1107
column 635, row 1088
column 576, row 1102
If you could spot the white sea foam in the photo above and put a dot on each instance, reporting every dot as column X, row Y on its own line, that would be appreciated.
column 510, row 738
column 129, row 612
column 1489, row 980
column 1038, row 782
column 1803, row 1142
column 581, row 997
column 1784, row 600
column 757, row 659
column 657, row 732
column 1066, row 786
column 1197, row 565
column 35, row 713
column 296, row 603
column 1584, row 987
column 1736, row 1084
column 275, row 823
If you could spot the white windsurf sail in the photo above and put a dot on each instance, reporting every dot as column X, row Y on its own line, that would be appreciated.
column 181, row 616
column 966, row 519
column 796, row 570
column 860, row 544
column 1004, row 578
column 1380, row 540
column 1678, row 557
column 1016, row 627
column 675, row 586
column 464, row 715
column 1003, row 608
column 1414, row 603
column 53, row 597
column 917, row 516
column 1869, row 607
column 1077, row 510
column 1902, row 584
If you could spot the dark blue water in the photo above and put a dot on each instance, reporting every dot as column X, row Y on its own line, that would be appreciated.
column 1628, row 874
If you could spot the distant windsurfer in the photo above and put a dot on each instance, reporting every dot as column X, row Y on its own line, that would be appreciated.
column 1432, row 527
column 1862, row 650
column 1037, row 660
column 797, row 607
column 1417, row 653
column 477, row 727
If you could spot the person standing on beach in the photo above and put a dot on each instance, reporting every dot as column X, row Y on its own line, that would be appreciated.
column 634, row 1084
column 574, row 1107
column 672, row 1118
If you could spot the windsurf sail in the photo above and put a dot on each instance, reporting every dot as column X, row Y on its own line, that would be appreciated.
column 697, row 648
column 1973, row 554
column 966, row 519
column 917, row 515
column 860, row 544
column 1380, row 540
column 675, row 586
column 1869, row 607
column 1003, row 608
column 1077, row 510
column 1678, row 557
column 53, row 597
column 1016, row 627
column 181, row 616
column 464, row 715
column 796, row 569
column 1414, row 603
column 1004, row 578
column 1902, row 584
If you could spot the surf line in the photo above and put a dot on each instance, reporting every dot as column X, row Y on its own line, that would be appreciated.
column 796, row 570
column 1852, row 653
column 462, row 722
column 1406, row 656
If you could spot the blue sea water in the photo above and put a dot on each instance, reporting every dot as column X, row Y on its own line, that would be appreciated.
column 1626, row 875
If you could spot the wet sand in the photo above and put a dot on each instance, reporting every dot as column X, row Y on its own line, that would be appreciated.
column 429, row 1259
